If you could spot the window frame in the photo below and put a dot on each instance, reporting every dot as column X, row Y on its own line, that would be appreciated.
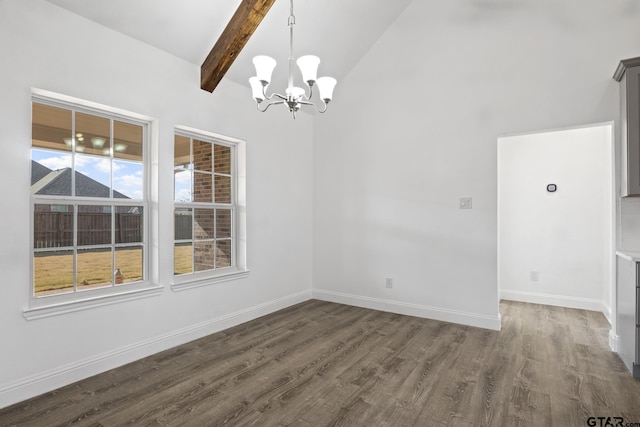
column 78, row 299
column 238, row 268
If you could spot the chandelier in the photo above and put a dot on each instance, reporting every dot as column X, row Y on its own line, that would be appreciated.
column 295, row 96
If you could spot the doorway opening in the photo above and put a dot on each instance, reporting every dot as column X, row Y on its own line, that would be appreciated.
column 556, row 218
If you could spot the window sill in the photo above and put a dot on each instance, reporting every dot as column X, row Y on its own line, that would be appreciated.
column 183, row 283
column 88, row 303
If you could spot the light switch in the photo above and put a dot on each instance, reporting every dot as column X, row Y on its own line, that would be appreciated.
column 465, row 203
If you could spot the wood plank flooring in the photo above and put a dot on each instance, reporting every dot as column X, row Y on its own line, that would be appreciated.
column 325, row 364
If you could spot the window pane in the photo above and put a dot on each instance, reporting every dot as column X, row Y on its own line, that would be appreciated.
column 203, row 223
column 182, row 152
column 51, row 127
column 183, row 258
column 93, row 176
column 128, row 180
column 129, row 224
column 222, row 159
column 223, row 253
column 92, row 134
column 202, row 187
column 183, row 224
column 86, row 154
column 202, row 156
column 182, row 187
column 128, row 265
column 203, row 256
column 52, row 272
column 50, row 173
column 223, row 189
column 52, row 226
column 223, row 223
column 94, row 268
column 127, row 141
column 94, row 225
column 203, row 233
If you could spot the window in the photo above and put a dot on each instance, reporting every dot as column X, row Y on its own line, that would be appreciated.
column 206, row 218
column 89, row 204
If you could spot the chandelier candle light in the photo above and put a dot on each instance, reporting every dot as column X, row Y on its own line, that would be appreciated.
column 295, row 96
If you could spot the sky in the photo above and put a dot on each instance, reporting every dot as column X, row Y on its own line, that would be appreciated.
column 182, row 185
column 127, row 176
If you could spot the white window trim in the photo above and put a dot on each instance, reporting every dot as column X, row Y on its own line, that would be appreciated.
column 88, row 303
column 239, row 269
column 52, row 305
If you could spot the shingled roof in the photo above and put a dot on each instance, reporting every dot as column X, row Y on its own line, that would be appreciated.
column 45, row 181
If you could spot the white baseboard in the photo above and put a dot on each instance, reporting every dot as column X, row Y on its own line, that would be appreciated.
column 614, row 342
column 606, row 310
column 445, row 315
column 556, row 300
column 50, row 380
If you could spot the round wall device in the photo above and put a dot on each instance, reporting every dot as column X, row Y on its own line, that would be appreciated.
column 551, row 188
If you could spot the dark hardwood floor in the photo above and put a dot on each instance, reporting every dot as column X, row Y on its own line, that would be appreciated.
column 320, row 364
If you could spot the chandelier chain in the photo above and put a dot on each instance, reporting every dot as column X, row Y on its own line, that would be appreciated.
column 291, row 23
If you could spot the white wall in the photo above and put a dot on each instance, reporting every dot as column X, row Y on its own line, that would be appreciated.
column 565, row 236
column 46, row 47
column 414, row 127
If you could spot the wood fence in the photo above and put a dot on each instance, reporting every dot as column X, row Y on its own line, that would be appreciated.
column 55, row 229
column 183, row 227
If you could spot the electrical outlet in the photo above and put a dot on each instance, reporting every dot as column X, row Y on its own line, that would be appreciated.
column 533, row 276
column 466, row 203
column 388, row 282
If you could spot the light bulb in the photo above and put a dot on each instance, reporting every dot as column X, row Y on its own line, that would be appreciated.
column 295, row 92
column 325, row 87
column 256, row 89
column 308, row 65
column 264, row 68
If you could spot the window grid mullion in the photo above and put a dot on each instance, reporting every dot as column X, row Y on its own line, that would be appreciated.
column 91, row 201
column 75, row 248
column 111, row 155
column 215, row 237
column 113, row 245
column 73, row 153
column 193, row 240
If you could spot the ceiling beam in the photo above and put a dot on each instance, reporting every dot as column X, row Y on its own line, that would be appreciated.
column 238, row 31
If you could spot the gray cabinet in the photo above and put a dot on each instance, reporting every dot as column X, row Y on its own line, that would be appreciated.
column 628, row 315
column 628, row 75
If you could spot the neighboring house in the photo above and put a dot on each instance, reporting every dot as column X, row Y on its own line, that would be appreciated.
column 45, row 181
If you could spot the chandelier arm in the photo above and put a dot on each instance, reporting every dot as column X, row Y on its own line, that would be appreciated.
column 270, row 97
column 275, row 94
column 315, row 107
column 268, row 105
column 310, row 93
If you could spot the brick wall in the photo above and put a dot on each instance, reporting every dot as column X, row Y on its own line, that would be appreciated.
column 202, row 162
column 203, row 255
column 209, row 161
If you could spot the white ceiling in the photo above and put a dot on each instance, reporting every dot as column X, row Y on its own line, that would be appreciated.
column 340, row 32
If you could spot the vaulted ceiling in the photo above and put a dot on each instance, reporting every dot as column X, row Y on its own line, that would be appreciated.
column 340, row 32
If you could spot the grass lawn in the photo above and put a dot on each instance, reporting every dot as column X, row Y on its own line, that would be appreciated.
column 53, row 272
column 183, row 258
